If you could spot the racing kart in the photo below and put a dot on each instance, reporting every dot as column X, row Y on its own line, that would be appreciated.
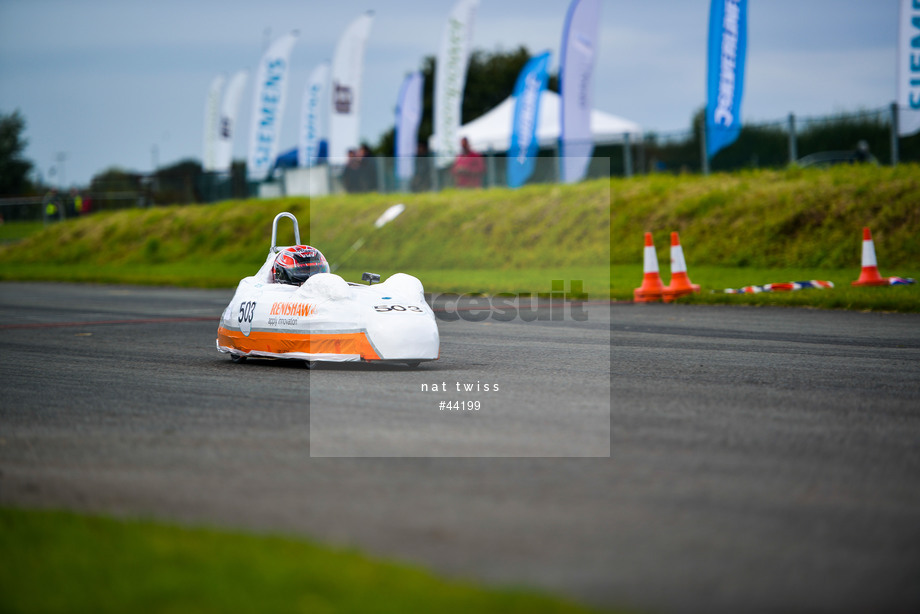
column 327, row 318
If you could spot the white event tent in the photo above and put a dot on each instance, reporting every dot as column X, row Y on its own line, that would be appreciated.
column 492, row 131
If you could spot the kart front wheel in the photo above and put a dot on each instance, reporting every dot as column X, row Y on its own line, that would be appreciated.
column 237, row 358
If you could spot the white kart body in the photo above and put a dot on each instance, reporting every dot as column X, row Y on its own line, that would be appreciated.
column 329, row 319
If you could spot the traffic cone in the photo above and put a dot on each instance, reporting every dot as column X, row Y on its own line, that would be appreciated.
column 651, row 288
column 869, row 275
column 680, row 283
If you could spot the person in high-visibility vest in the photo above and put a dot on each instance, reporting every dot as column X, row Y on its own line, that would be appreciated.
column 52, row 205
column 73, row 203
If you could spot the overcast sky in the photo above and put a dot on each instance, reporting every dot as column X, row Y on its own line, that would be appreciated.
column 107, row 82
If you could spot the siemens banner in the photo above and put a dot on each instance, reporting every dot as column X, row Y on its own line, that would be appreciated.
column 909, row 68
column 268, row 106
column 576, row 66
column 725, row 83
column 527, row 90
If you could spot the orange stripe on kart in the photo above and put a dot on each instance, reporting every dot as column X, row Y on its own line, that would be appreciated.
column 283, row 343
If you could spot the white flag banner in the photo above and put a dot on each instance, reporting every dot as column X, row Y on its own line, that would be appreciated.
column 347, row 68
column 311, row 115
column 229, row 108
column 211, row 121
column 408, row 117
column 450, row 80
column 268, row 106
column 579, row 48
column 909, row 68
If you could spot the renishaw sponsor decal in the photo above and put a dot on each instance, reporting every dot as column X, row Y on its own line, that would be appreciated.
column 280, row 314
column 284, row 313
column 280, row 308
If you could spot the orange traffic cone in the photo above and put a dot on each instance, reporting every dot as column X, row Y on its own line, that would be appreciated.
column 680, row 282
column 869, row 275
column 651, row 287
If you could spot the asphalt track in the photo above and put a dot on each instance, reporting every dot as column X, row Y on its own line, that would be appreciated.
column 759, row 459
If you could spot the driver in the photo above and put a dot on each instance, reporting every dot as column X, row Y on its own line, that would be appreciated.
column 295, row 265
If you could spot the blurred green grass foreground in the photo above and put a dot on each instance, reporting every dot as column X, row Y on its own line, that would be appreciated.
column 738, row 229
column 63, row 562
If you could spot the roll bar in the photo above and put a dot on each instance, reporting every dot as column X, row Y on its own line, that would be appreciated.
column 275, row 248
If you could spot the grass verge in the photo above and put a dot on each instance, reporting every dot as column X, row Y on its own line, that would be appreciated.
column 750, row 227
column 10, row 232
column 715, row 279
column 616, row 282
column 64, row 562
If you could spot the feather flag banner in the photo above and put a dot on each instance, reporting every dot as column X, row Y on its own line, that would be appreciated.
column 311, row 116
column 268, row 106
column 347, row 68
column 408, row 117
column 909, row 68
column 229, row 107
column 576, row 67
column 211, row 124
column 725, row 82
column 524, row 146
column 450, row 80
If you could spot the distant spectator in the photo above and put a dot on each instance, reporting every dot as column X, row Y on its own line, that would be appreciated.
column 351, row 176
column 74, row 203
column 862, row 153
column 368, row 170
column 421, row 180
column 322, row 152
column 469, row 167
column 51, row 206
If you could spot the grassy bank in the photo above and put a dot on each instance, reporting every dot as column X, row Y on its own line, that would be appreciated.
column 740, row 229
column 65, row 562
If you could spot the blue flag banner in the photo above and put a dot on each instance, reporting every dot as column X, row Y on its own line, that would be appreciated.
column 909, row 68
column 408, row 117
column 311, row 115
column 725, row 82
column 530, row 84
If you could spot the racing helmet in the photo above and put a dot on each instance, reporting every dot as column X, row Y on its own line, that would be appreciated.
column 295, row 265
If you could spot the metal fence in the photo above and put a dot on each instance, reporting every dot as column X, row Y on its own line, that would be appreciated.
column 428, row 177
column 868, row 135
column 54, row 207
